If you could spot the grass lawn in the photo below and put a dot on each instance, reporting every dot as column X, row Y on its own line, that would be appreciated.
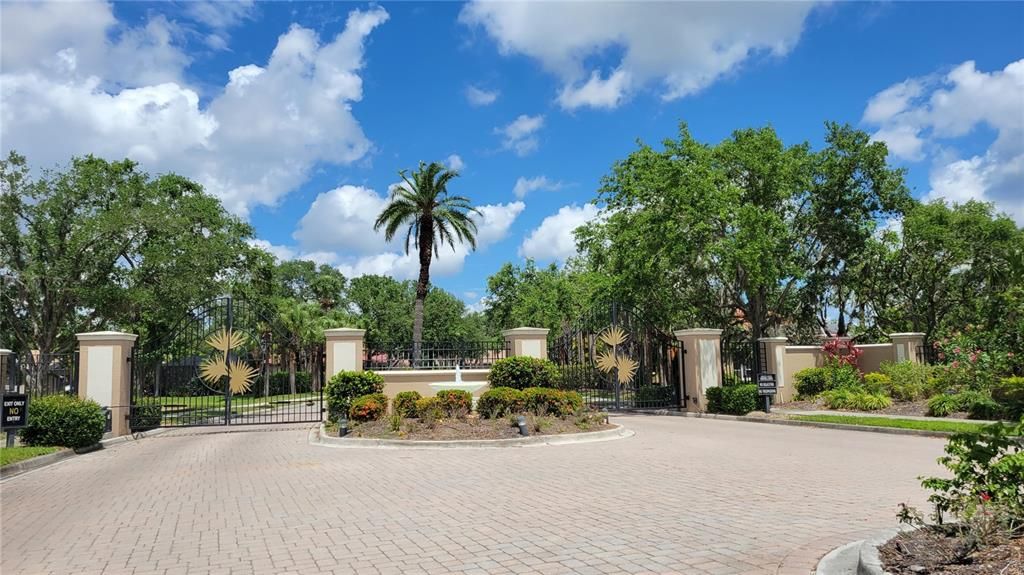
column 890, row 422
column 10, row 455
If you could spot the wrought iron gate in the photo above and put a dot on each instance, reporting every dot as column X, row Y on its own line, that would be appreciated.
column 225, row 364
column 616, row 360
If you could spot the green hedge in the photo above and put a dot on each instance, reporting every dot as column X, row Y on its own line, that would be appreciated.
column 977, row 404
column 345, row 387
column 429, row 409
column 500, row 401
column 548, row 401
column 404, row 404
column 814, row 380
column 370, row 407
column 455, row 402
column 279, row 383
column 521, row 372
column 856, row 399
column 733, row 399
column 64, row 421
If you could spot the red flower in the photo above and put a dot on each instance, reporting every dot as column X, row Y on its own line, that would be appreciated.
column 985, row 497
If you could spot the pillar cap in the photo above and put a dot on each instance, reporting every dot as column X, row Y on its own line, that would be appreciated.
column 6, row 352
column 106, row 336
column 907, row 334
column 697, row 331
column 343, row 332
column 539, row 331
column 779, row 339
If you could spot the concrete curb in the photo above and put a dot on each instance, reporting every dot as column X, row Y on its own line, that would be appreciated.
column 20, row 468
column 868, row 562
column 320, row 438
column 795, row 423
column 859, row 557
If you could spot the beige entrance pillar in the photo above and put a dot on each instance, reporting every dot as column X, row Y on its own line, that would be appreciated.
column 104, row 374
column 344, row 350
column 528, row 341
column 775, row 362
column 702, row 363
column 6, row 356
column 905, row 346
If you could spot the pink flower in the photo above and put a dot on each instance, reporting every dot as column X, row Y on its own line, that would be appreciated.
column 956, row 363
column 956, row 350
column 1009, row 354
column 974, row 357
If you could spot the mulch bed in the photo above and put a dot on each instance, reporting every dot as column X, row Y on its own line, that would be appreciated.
column 897, row 408
column 931, row 551
column 473, row 427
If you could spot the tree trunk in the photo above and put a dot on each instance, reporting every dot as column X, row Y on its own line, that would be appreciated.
column 426, row 241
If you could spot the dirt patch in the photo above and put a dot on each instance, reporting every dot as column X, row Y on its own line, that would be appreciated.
column 917, row 408
column 931, row 551
column 473, row 427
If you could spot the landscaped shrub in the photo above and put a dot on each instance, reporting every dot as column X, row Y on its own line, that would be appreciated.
column 978, row 405
column 521, row 372
column 877, row 383
column 455, row 402
column 404, row 404
column 812, row 381
column 370, row 407
column 944, row 404
column 500, row 401
column 345, row 386
column 910, row 381
column 429, row 409
column 64, row 421
column 733, row 399
column 655, row 395
column 545, row 400
column 143, row 417
column 854, row 398
column 1009, row 394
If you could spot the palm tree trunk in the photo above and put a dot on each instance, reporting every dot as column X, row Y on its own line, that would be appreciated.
column 426, row 245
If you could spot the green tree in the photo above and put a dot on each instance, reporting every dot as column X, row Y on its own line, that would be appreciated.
column 549, row 297
column 102, row 245
column 305, row 281
column 431, row 217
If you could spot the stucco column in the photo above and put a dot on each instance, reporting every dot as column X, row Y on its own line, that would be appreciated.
column 775, row 362
column 6, row 357
column 904, row 346
column 528, row 341
column 104, row 374
column 344, row 350
column 702, row 367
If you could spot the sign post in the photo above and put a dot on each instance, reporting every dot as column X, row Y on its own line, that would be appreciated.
column 14, row 414
column 766, row 388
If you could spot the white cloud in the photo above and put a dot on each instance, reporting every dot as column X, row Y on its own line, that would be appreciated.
column 520, row 135
column 481, row 97
column 253, row 143
column 219, row 17
column 455, row 162
column 342, row 220
column 682, row 47
column 553, row 240
column 282, row 253
column 493, row 224
column 921, row 117
column 526, row 185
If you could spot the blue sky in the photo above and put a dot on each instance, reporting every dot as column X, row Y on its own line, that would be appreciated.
column 299, row 115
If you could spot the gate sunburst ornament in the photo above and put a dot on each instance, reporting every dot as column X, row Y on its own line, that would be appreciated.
column 610, row 360
column 240, row 375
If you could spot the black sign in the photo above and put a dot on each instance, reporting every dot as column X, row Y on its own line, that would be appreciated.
column 15, row 411
column 766, row 384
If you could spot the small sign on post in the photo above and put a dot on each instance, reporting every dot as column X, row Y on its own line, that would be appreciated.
column 766, row 388
column 14, row 414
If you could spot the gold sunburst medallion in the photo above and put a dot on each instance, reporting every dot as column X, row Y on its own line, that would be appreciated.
column 240, row 375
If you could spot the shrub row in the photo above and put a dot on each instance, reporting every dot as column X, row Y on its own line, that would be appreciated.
column 521, row 372
column 502, row 401
column 732, row 399
column 64, row 421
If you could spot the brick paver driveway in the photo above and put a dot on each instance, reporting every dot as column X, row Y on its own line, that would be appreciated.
column 682, row 496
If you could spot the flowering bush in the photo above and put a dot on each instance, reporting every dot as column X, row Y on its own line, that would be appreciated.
column 840, row 353
column 370, row 407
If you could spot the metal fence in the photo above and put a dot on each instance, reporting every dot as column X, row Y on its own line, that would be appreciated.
column 742, row 360
column 927, row 354
column 39, row 375
column 467, row 355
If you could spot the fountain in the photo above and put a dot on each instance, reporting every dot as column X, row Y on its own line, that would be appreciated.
column 471, row 387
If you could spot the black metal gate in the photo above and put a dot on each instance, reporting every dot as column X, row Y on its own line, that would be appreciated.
column 226, row 364
column 617, row 360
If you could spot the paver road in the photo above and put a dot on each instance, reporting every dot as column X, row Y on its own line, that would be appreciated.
column 682, row 496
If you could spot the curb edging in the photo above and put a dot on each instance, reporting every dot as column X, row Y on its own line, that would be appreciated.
column 320, row 438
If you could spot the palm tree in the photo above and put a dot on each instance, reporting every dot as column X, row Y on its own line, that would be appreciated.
column 421, row 204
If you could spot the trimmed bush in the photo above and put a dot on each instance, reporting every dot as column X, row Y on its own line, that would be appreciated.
column 346, row 386
column 429, row 409
column 64, row 421
column 455, row 402
column 878, row 383
column 500, row 401
column 521, row 372
column 944, row 404
column 815, row 380
column 369, row 407
column 909, row 381
column 404, row 404
column 143, row 417
column 856, row 399
column 654, row 395
column 545, row 400
column 977, row 404
column 734, row 399
column 1009, row 394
